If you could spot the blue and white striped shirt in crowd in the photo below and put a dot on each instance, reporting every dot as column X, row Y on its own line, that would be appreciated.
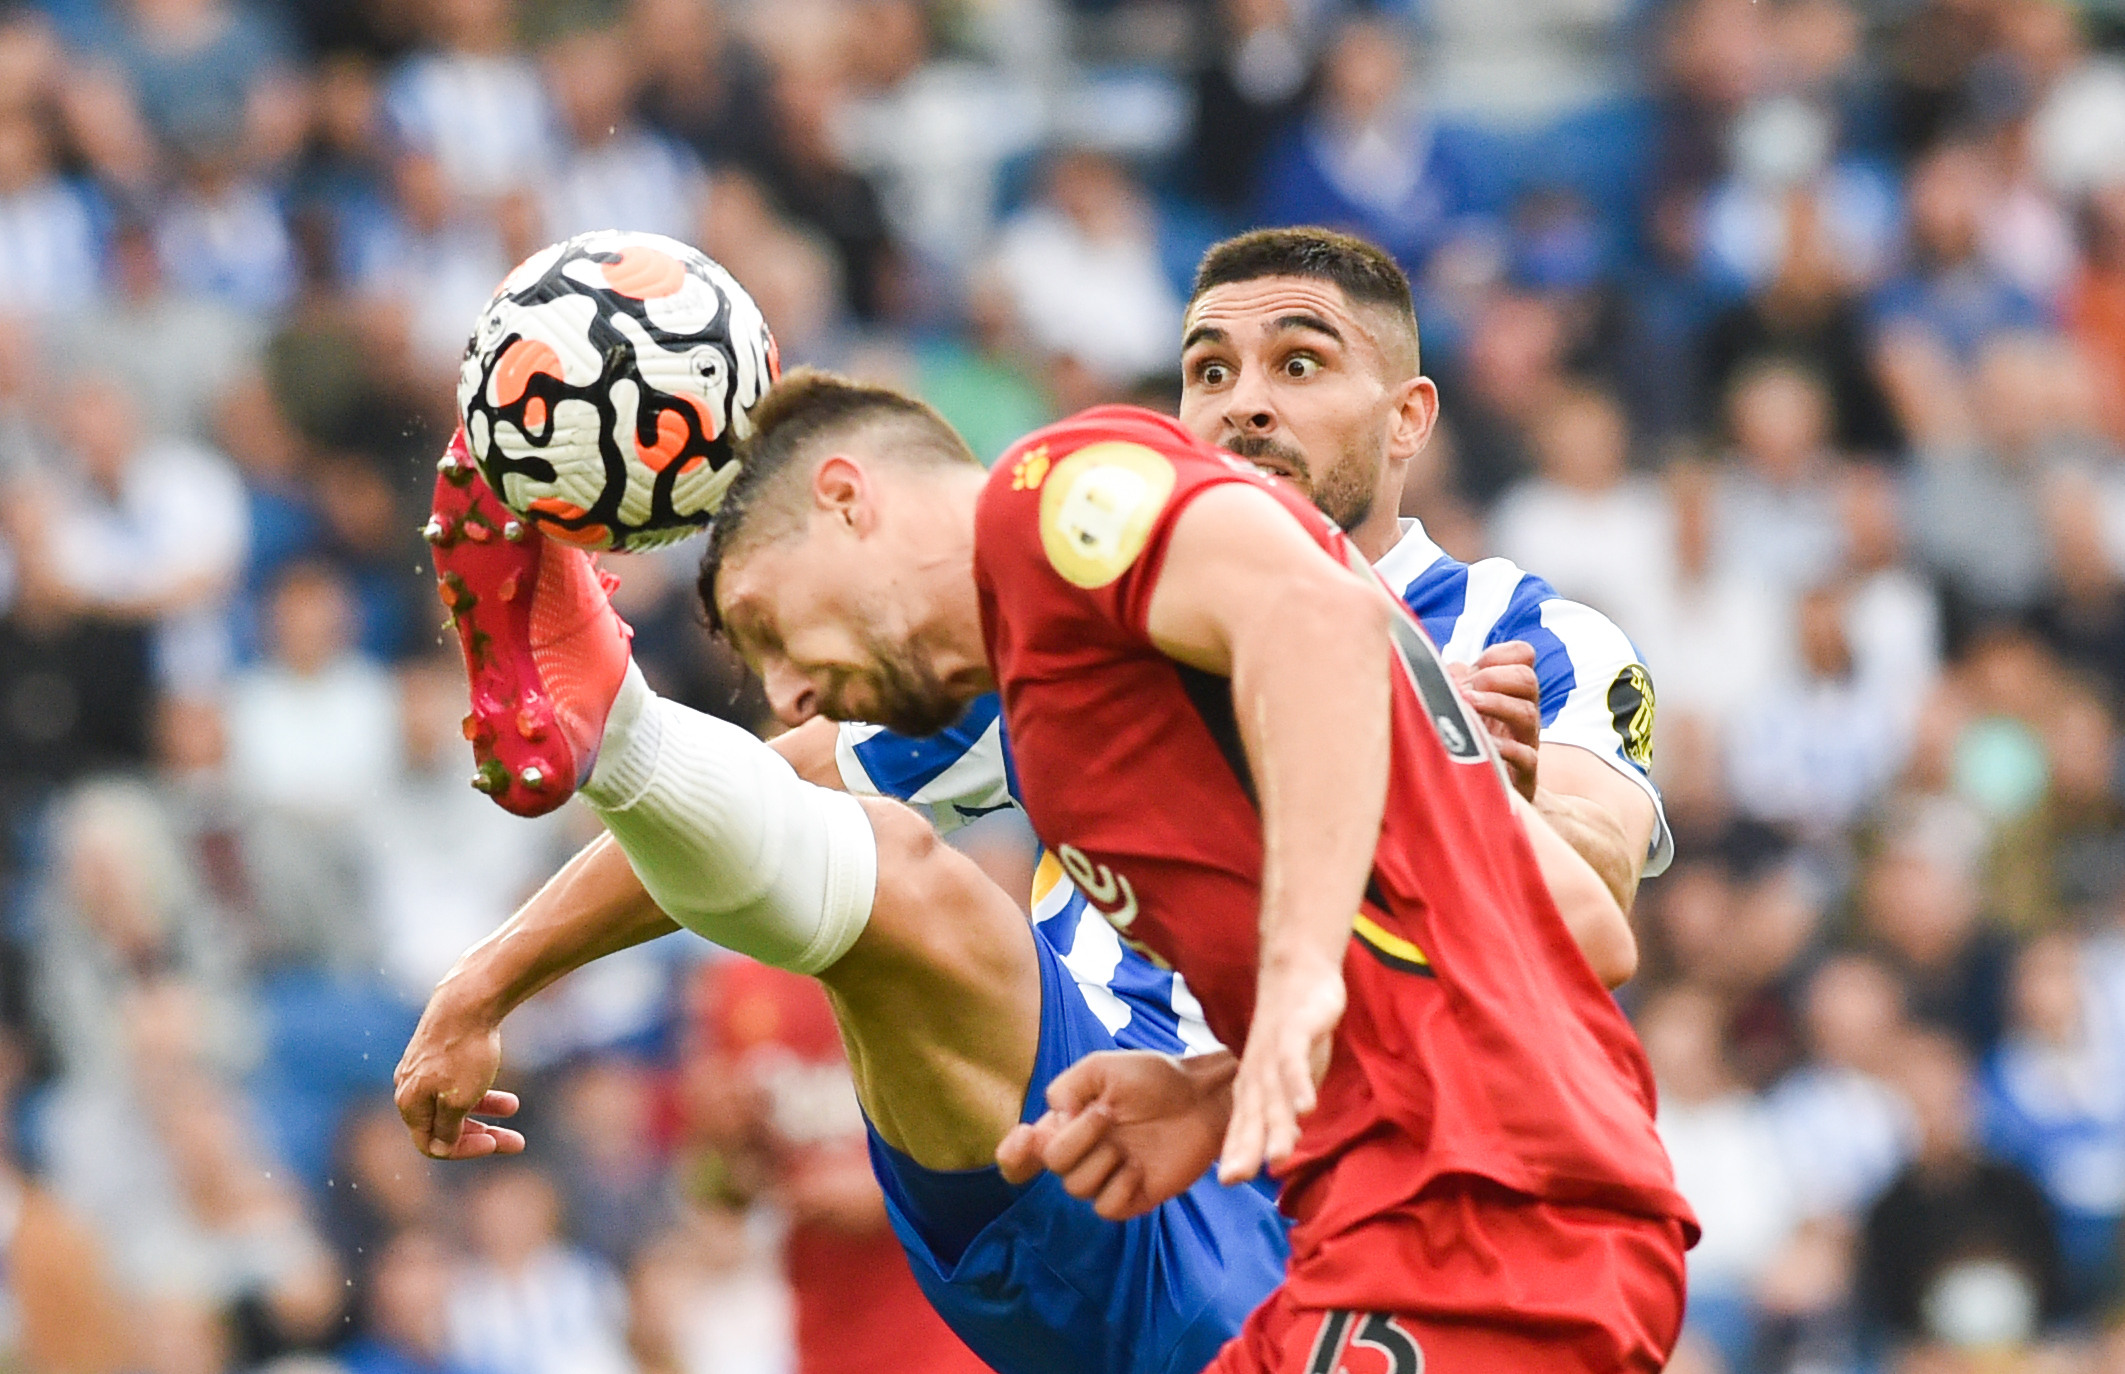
column 1596, row 696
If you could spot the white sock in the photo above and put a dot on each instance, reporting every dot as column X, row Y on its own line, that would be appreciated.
column 727, row 838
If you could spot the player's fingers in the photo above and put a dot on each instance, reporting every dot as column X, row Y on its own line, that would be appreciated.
column 1018, row 1155
column 1070, row 1090
column 1507, row 651
column 1119, row 1199
column 1074, row 1137
column 1090, row 1174
column 1241, row 1157
column 417, row 1110
column 448, row 1124
column 497, row 1103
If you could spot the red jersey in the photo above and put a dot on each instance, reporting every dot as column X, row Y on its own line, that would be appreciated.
column 859, row 1310
column 1488, row 1049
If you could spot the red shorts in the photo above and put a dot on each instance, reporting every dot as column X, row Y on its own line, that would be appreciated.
column 1505, row 1284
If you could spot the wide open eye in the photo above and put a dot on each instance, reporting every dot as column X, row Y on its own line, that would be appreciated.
column 1300, row 366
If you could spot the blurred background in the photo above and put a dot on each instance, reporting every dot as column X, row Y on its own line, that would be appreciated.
column 1791, row 334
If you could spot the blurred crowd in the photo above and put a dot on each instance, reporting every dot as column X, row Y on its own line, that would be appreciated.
column 1790, row 333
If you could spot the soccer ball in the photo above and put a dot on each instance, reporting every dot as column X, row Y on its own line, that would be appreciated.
column 606, row 385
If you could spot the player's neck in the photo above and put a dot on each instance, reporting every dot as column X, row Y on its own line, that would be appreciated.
column 1378, row 532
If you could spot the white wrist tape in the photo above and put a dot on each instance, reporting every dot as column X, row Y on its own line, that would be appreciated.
column 727, row 838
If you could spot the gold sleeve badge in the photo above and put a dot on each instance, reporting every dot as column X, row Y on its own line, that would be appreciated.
column 1630, row 703
column 1097, row 508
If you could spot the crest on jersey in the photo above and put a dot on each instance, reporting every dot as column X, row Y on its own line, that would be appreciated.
column 1097, row 508
column 1630, row 703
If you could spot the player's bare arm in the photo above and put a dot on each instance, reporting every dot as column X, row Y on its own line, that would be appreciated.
column 1503, row 688
column 595, row 906
column 586, row 911
column 1245, row 593
column 936, row 999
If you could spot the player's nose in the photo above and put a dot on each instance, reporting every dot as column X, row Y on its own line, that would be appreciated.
column 1249, row 408
column 790, row 694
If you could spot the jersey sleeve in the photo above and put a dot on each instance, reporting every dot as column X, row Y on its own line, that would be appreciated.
column 1596, row 694
column 1095, row 502
column 958, row 773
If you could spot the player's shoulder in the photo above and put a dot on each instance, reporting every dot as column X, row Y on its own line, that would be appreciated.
column 1118, row 434
column 1087, row 493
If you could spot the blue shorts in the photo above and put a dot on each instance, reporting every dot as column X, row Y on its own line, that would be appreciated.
column 1042, row 1285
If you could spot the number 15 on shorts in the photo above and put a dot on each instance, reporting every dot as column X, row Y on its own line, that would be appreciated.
column 1364, row 1343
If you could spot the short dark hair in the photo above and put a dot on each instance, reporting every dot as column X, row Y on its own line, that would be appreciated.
column 1366, row 272
column 806, row 410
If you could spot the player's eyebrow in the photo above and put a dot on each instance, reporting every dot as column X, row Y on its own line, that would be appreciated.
column 1308, row 321
column 1204, row 333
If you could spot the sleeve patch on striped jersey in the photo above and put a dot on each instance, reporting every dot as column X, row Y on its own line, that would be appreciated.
column 1097, row 509
column 1630, row 702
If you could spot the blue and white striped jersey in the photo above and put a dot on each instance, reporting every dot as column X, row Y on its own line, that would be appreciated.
column 1596, row 696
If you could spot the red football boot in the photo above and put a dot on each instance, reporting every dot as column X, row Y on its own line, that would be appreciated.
column 545, row 652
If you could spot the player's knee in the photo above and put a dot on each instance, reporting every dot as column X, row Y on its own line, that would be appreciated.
column 912, row 861
column 934, row 896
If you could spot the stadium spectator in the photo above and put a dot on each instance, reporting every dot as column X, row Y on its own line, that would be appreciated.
column 1961, row 1248
column 701, row 83
column 221, row 235
column 1817, row 752
column 528, row 1301
column 1978, row 484
column 1949, row 293
column 405, row 1329
column 611, row 1168
column 1842, row 1130
column 1727, row 1163
column 1511, row 368
column 613, row 170
column 1776, row 518
column 276, row 756
column 1365, row 161
column 1082, row 266
column 1722, row 635
column 472, row 106
column 708, row 1299
column 1892, row 615
column 1806, row 310
column 2052, row 1101
column 1599, row 533
column 51, row 244
column 1920, row 901
column 1250, row 91
column 207, row 73
column 144, row 530
column 176, row 352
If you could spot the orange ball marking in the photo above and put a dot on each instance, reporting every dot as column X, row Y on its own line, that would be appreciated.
column 672, row 435
column 534, row 413
column 645, row 273
column 523, row 360
column 588, row 537
column 557, row 509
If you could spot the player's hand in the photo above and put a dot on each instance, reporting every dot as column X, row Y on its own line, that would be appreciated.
column 1297, row 1004
column 1506, row 693
column 1126, row 1129
column 446, row 1079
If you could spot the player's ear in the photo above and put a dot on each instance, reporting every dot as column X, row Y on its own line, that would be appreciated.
column 841, row 489
column 1416, row 411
